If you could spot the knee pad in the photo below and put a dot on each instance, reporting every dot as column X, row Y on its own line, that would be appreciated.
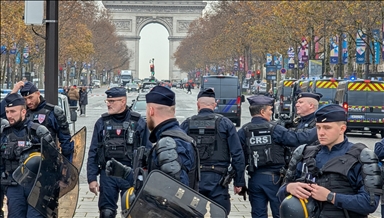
column 107, row 213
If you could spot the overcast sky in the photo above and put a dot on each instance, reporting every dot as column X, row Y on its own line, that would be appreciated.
column 154, row 44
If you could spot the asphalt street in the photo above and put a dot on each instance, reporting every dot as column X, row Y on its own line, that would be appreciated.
column 185, row 107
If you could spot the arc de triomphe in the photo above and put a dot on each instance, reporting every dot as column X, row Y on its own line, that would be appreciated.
column 130, row 17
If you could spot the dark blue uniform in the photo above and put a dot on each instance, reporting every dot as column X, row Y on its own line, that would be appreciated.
column 359, row 202
column 110, row 187
column 306, row 121
column 210, row 181
column 53, row 125
column 379, row 151
column 17, row 195
column 264, row 183
column 184, row 149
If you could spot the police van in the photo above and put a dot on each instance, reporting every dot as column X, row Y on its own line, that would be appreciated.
column 228, row 95
column 283, row 98
column 326, row 87
column 363, row 100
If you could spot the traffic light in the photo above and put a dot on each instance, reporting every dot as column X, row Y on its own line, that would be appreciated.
column 258, row 74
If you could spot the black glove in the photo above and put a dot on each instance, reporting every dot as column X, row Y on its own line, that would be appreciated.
column 243, row 192
column 117, row 169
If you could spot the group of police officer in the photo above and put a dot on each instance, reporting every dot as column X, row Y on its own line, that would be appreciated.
column 27, row 119
column 336, row 177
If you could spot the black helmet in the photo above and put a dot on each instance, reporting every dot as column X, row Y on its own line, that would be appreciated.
column 292, row 207
column 32, row 162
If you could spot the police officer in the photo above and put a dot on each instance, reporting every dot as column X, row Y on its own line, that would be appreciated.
column 46, row 114
column 218, row 146
column 332, row 172
column 116, row 135
column 263, row 145
column 306, row 105
column 20, row 143
column 379, row 151
column 171, row 141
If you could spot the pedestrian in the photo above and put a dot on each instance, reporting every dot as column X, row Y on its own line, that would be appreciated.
column 73, row 96
column 265, row 145
column 46, row 114
column 333, row 172
column 116, row 134
column 189, row 88
column 219, row 147
column 4, row 124
column 83, row 101
column 21, row 143
column 379, row 151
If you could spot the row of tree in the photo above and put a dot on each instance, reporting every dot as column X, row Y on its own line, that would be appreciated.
column 86, row 35
column 254, row 28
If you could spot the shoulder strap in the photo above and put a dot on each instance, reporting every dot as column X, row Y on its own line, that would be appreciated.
column 134, row 116
column 49, row 106
column 178, row 134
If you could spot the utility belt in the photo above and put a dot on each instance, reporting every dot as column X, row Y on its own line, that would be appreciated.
column 220, row 170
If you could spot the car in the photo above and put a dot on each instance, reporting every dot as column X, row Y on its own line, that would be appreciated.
column 132, row 87
column 112, row 85
column 165, row 83
column 259, row 88
column 96, row 83
column 147, row 86
column 283, row 99
column 227, row 94
column 178, row 85
column 140, row 106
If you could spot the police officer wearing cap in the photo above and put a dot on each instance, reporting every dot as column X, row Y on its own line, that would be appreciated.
column 379, row 151
column 116, row 134
column 264, row 145
column 19, row 141
column 174, row 152
column 343, row 177
column 306, row 105
column 51, row 116
column 218, row 146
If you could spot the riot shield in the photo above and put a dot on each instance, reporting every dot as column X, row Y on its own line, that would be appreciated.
column 56, row 177
column 163, row 196
column 68, row 202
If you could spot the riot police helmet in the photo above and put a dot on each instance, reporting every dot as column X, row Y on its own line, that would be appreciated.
column 292, row 207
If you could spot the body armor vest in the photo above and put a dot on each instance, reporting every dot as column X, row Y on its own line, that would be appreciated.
column 211, row 146
column 16, row 150
column 41, row 117
column 262, row 150
column 119, row 140
column 333, row 176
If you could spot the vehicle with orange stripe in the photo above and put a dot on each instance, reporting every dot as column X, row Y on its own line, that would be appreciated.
column 283, row 98
column 364, row 102
column 327, row 87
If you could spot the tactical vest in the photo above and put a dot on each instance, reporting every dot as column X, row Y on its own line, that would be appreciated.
column 120, row 139
column 334, row 176
column 41, row 117
column 262, row 150
column 194, row 173
column 211, row 146
column 16, row 150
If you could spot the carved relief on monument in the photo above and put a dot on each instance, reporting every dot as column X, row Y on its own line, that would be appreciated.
column 183, row 26
column 123, row 25
column 168, row 21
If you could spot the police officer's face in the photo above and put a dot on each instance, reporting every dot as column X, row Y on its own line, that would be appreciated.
column 15, row 114
column 330, row 133
column 267, row 113
column 303, row 106
column 32, row 100
column 115, row 105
